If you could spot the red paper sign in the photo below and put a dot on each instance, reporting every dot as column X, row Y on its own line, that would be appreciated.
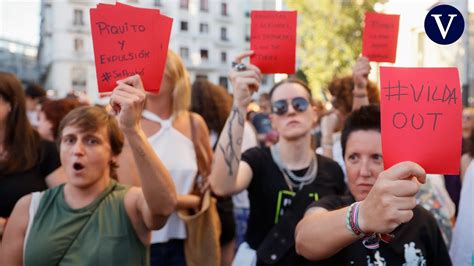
column 273, row 38
column 128, row 41
column 379, row 41
column 421, row 117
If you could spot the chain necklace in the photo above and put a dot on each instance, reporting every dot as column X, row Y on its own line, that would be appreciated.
column 292, row 180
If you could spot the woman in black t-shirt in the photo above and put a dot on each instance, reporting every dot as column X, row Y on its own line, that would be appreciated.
column 382, row 225
column 27, row 163
column 281, row 180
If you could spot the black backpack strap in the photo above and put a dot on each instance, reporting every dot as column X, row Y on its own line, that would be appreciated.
column 279, row 242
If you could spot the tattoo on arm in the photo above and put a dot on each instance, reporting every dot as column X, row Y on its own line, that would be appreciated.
column 140, row 151
column 229, row 150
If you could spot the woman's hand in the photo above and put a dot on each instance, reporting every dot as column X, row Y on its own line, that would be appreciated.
column 128, row 102
column 360, row 74
column 244, row 81
column 392, row 199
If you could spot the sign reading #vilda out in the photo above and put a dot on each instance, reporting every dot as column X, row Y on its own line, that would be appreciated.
column 421, row 117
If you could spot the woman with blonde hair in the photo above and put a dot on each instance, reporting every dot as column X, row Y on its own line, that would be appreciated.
column 174, row 132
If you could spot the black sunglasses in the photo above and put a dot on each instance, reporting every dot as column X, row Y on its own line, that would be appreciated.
column 280, row 107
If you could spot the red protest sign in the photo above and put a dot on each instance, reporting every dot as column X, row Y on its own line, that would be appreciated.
column 379, row 40
column 128, row 41
column 421, row 117
column 273, row 38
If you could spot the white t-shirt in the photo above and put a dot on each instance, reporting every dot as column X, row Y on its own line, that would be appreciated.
column 462, row 245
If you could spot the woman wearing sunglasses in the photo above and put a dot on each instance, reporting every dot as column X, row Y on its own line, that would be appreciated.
column 281, row 180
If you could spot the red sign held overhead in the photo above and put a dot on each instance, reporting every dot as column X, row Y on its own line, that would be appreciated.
column 273, row 38
column 421, row 117
column 379, row 41
column 127, row 41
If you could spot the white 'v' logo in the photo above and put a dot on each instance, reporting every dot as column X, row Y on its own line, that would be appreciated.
column 443, row 31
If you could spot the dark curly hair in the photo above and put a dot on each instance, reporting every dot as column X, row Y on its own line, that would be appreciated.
column 56, row 110
column 366, row 118
column 212, row 102
column 341, row 91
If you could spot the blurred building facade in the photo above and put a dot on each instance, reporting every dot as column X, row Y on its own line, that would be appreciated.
column 19, row 58
column 207, row 34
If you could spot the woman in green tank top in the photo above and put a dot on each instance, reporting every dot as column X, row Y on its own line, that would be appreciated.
column 93, row 220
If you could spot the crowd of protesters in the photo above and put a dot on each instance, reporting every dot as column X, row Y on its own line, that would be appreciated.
column 297, row 181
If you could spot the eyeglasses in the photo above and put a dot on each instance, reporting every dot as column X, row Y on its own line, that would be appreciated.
column 299, row 104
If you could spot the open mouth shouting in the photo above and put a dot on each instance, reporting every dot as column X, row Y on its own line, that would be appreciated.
column 78, row 167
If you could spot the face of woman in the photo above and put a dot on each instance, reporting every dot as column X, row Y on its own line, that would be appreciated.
column 166, row 87
column 85, row 156
column 295, row 116
column 364, row 161
column 45, row 127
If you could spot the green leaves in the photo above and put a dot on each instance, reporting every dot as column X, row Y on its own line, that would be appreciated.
column 329, row 38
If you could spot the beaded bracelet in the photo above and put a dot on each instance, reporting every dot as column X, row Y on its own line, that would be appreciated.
column 352, row 216
column 370, row 240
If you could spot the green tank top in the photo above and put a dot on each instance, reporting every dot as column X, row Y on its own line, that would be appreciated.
column 98, row 234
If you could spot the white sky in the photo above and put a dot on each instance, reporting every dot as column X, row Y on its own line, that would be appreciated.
column 20, row 20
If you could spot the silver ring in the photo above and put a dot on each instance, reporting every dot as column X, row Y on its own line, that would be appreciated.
column 240, row 67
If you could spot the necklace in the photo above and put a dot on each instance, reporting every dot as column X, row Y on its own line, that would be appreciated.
column 292, row 180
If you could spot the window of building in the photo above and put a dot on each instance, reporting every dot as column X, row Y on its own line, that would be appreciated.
column 204, row 5
column 247, row 32
column 264, row 79
column 224, row 9
column 157, row 3
column 78, row 17
column 78, row 44
column 184, row 4
column 224, row 34
column 204, row 54
column 79, row 78
column 184, row 52
column 201, row 77
column 223, row 82
column 184, row 26
column 203, row 28
column 223, row 57
column 133, row 1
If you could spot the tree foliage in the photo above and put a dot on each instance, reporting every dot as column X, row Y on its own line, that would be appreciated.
column 329, row 37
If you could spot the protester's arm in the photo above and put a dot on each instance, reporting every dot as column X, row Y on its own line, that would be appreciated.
column 127, row 172
column 465, row 161
column 11, row 248
column 158, row 198
column 360, row 75
column 329, row 124
column 229, row 175
column 388, row 204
